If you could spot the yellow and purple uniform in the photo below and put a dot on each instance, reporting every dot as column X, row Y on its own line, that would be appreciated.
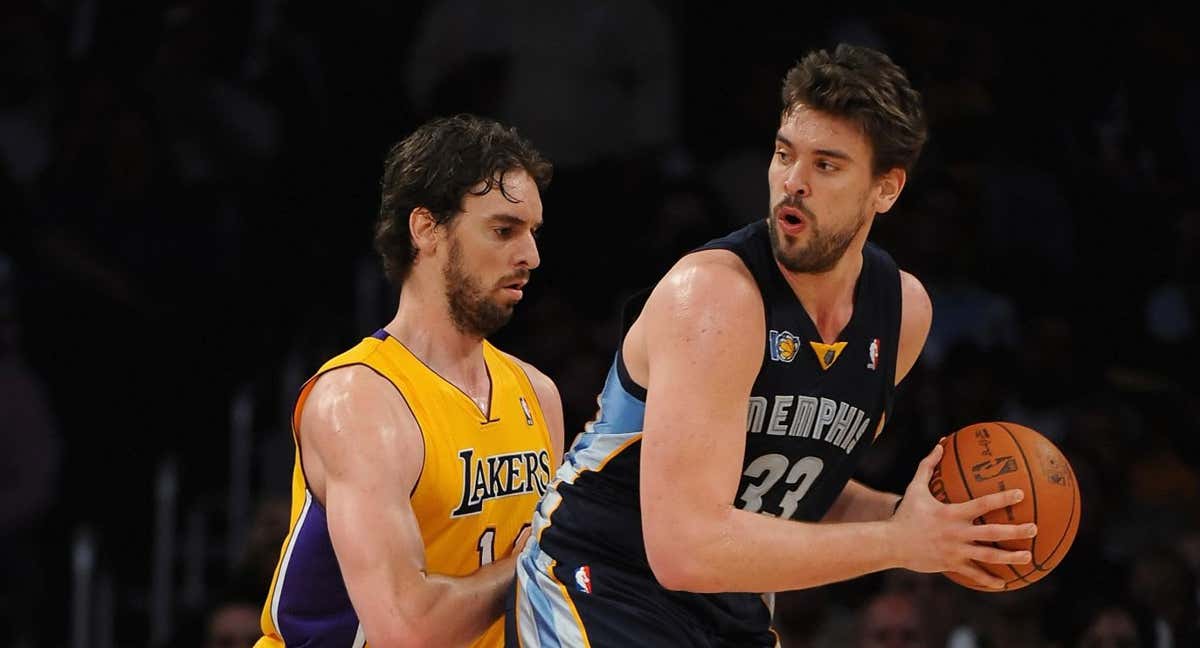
column 483, row 473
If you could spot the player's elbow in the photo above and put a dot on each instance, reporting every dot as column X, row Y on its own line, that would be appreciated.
column 676, row 553
column 672, row 571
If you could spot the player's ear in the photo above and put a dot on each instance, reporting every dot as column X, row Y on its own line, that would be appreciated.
column 888, row 187
column 422, row 226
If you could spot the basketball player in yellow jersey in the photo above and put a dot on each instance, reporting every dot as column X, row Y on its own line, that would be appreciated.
column 422, row 451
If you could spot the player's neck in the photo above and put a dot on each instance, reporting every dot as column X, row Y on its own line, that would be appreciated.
column 422, row 323
column 828, row 297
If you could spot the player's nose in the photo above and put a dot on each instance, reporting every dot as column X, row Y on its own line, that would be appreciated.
column 528, row 255
column 796, row 183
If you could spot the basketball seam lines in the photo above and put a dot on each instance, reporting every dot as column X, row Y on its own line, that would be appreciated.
column 970, row 496
column 1033, row 500
column 1057, row 546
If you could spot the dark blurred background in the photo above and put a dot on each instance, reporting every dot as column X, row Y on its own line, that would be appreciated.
column 186, row 199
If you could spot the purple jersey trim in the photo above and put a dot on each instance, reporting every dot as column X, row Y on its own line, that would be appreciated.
column 314, row 607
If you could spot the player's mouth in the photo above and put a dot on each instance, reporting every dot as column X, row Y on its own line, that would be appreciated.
column 515, row 289
column 791, row 221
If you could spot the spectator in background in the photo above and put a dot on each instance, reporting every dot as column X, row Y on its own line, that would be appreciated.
column 218, row 131
column 589, row 81
column 1047, row 381
column 233, row 622
column 1161, row 580
column 944, row 248
column 256, row 563
column 1110, row 621
column 940, row 601
column 28, row 474
column 893, row 620
column 27, row 82
column 1016, row 618
column 1172, row 309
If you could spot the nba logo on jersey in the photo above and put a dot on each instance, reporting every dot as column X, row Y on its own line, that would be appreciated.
column 528, row 413
column 783, row 346
column 873, row 354
column 583, row 579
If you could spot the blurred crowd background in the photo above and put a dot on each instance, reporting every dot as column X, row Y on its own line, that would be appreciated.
column 186, row 197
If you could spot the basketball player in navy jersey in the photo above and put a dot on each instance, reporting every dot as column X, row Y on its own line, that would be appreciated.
column 750, row 382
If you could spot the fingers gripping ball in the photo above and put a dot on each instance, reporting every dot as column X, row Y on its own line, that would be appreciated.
column 985, row 458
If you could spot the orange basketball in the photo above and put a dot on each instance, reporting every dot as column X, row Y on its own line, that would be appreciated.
column 984, row 458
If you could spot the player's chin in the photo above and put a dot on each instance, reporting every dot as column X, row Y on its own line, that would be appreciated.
column 508, row 298
column 504, row 307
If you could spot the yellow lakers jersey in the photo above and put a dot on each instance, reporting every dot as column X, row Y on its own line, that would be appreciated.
column 484, row 472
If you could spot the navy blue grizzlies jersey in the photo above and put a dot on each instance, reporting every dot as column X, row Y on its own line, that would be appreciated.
column 815, row 408
column 813, row 414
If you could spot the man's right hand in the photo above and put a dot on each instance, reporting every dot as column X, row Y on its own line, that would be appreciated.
column 935, row 537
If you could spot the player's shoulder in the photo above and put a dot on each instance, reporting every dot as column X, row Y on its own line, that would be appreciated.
column 709, row 291
column 349, row 381
column 353, row 388
column 914, row 298
column 709, row 275
column 538, row 378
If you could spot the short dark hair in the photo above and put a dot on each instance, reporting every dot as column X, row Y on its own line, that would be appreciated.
column 864, row 86
column 435, row 167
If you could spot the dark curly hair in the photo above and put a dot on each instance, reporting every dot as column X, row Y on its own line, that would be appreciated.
column 436, row 167
column 864, row 86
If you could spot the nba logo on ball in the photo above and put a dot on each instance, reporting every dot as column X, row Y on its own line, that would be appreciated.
column 583, row 578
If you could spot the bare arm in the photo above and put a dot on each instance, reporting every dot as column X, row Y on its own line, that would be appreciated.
column 861, row 503
column 702, row 336
column 916, row 316
column 362, row 453
column 857, row 502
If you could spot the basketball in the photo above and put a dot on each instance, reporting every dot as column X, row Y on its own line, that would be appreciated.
column 985, row 458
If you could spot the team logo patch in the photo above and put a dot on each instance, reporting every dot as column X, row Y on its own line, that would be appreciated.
column 783, row 345
column 583, row 579
column 827, row 354
column 528, row 412
column 873, row 355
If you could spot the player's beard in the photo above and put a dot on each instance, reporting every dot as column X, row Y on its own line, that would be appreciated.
column 471, row 310
column 824, row 249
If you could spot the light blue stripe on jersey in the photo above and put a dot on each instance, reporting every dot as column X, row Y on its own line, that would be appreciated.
column 546, row 618
column 617, row 425
column 620, row 413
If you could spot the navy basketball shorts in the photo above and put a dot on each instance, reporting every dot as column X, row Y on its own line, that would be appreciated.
column 563, row 604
